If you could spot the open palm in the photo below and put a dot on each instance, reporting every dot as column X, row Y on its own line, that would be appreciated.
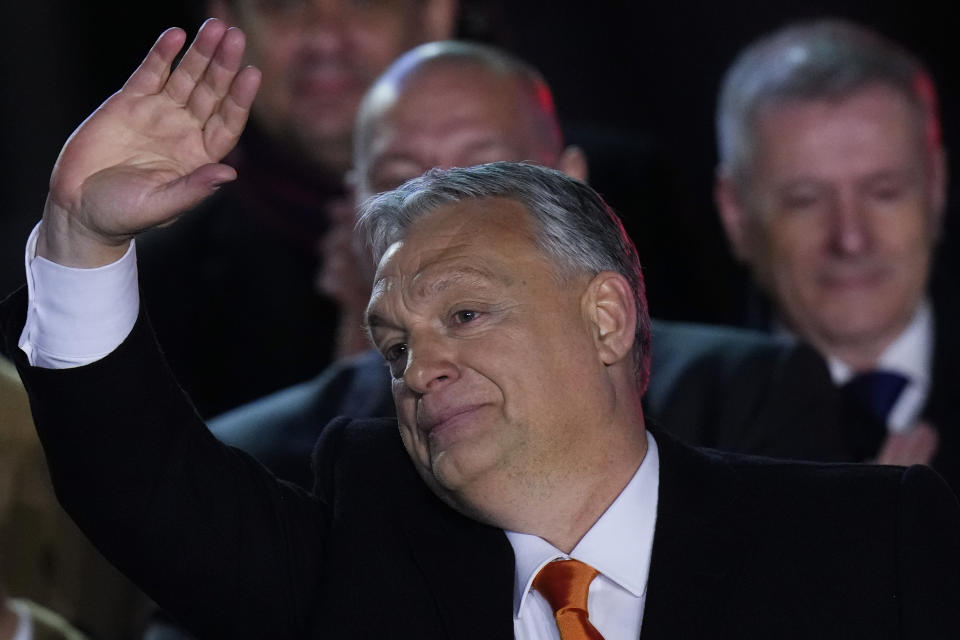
column 152, row 150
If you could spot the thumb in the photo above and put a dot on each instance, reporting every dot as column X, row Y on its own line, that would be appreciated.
column 188, row 191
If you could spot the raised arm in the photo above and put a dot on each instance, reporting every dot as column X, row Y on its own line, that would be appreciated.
column 204, row 530
column 152, row 150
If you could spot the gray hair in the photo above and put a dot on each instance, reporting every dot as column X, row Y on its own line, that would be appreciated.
column 826, row 59
column 574, row 227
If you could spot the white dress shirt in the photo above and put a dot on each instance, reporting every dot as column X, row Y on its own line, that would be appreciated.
column 910, row 355
column 618, row 546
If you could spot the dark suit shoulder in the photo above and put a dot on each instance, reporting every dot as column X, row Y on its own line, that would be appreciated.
column 281, row 429
column 431, row 564
column 766, row 477
column 799, row 550
column 741, row 390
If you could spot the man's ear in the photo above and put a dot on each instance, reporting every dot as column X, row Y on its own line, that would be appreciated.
column 608, row 305
column 351, row 183
column 440, row 19
column 221, row 10
column 938, row 178
column 733, row 214
column 573, row 162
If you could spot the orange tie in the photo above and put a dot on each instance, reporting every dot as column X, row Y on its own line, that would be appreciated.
column 564, row 584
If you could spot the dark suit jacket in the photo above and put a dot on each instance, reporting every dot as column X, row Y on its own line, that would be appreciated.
column 731, row 389
column 942, row 410
column 744, row 547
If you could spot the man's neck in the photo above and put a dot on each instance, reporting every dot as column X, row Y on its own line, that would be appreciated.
column 572, row 503
column 591, row 505
column 857, row 353
column 908, row 350
column 857, row 356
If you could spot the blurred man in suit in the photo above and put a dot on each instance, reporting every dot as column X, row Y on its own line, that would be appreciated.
column 239, row 270
column 831, row 188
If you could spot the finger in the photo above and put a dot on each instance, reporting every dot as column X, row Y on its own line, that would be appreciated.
column 188, row 191
column 194, row 64
column 150, row 76
column 218, row 76
column 225, row 125
column 922, row 442
column 890, row 451
column 916, row 446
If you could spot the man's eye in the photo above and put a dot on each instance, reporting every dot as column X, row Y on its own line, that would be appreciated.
column 887, row 193
column 396, row 357
column 465, row 316
column 800, row 201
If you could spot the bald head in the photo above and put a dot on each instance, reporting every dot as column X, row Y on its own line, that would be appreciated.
column 441, row 105
column 447, row 104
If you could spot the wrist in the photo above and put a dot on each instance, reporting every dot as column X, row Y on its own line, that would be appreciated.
column 63, row 239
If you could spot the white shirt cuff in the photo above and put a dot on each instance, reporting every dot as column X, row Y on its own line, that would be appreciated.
column 77, row 316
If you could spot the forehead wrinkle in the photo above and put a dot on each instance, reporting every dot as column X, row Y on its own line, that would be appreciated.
column 426, row 284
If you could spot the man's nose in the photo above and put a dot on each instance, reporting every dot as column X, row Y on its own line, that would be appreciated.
column 850, row 221
column 431, row 364
column 325, row 23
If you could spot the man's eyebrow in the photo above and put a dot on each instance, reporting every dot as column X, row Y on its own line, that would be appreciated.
column 372, row 320
column 432, row 285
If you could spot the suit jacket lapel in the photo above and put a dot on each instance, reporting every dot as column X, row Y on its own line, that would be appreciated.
column 468, row 566
column 697, row 543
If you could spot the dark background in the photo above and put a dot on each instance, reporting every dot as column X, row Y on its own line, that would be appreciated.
column 635, row 80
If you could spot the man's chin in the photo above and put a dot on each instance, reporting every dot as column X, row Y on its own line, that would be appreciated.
column 326, row 146
column 862, row 327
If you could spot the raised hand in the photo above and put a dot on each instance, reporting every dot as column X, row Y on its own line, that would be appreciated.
column 152, row 150
column 917, row 445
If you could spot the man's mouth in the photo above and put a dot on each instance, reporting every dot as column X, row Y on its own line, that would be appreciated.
column 438, row 424
column 853, row 279
column 326, row 81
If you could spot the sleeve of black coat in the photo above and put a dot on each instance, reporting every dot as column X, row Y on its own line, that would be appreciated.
column 202, row 528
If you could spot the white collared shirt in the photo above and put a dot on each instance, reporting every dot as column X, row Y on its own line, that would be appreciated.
column 24, row 630
column 618, row 545
column 911, row 355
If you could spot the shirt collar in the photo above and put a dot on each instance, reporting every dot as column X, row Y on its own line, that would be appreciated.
column 618, row 545
column 910, row 354
column 24, row 630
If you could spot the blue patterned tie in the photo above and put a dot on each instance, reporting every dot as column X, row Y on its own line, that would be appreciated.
column 868, row 400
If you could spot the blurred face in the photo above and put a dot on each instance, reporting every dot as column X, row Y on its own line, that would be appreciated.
column 450, row 116
column 319, row 56
column 842, row 213
column 491, row 357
